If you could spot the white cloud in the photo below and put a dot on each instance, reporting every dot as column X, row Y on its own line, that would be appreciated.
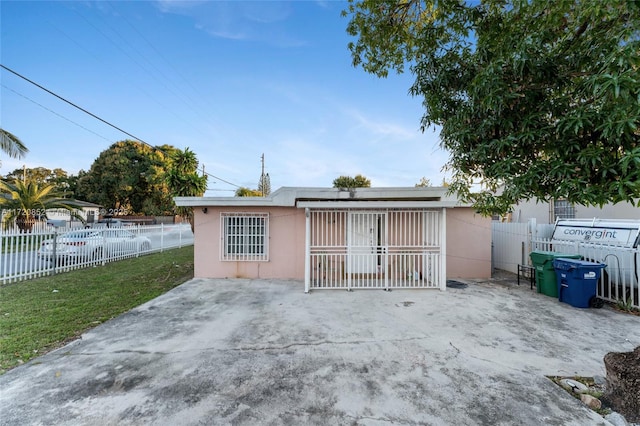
column 177, row 6
column 258, row 21
column 379, row 127
column 323, row 4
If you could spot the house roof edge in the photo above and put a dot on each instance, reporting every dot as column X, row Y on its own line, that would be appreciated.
column 292, row 196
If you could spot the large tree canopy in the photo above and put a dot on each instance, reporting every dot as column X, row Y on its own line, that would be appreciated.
column 63, row 182
column 535, row 99
column 247, row 192
column 130, row 177
column 359, row 181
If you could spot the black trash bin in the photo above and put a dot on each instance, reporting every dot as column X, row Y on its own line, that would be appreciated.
column 577, row 281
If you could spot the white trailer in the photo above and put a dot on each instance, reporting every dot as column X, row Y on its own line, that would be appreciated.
column 615, row 243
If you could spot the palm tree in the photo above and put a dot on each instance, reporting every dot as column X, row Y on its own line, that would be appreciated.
column 183, row 180
column 11, row 145
column 24, row 202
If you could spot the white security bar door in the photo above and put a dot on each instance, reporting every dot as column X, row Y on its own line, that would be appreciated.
column 327, row 249
column 376, row 249
column 414, row 249
column 367, row 245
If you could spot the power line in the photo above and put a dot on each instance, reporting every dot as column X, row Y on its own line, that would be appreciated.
column 100, row 119
column 146, row 40
column 118, row 71
column 133, row 59
column 55, row 113
column 74, row 105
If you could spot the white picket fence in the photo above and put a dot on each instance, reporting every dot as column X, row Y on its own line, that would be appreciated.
column 513, row 242
column 48, row 250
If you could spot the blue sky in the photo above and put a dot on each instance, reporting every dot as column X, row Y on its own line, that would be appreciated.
column 229, row 80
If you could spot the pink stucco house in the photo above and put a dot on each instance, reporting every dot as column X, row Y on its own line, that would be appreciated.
column 332, row 238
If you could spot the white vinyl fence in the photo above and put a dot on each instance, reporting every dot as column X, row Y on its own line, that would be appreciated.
column 46, row 251
column 511, row 243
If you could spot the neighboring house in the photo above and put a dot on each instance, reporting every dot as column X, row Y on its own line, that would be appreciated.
column 547, row 212
column 61, row 217
column 332, row 238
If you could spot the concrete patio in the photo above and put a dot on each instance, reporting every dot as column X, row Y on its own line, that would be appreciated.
column 263, row 352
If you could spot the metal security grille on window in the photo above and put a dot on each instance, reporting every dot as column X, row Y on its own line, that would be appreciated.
column 245, row 236
column 563, row 209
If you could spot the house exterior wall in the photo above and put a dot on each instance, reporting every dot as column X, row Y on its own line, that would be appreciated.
column 286, row 245
column 468, row 244
column 531, row 209
column 609, row 211
column 541, row 211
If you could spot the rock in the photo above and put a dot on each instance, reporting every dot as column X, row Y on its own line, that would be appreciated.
column 591, row 401
column 600, row 380
column 573, row 386
column 616, row 419
column 623, row 383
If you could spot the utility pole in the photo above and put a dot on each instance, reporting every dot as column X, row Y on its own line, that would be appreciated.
column 262, row 175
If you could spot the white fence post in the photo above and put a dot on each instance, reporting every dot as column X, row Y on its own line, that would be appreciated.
column 533, row 234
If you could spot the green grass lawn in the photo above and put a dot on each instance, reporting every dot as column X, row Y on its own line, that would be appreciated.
column 42, row 314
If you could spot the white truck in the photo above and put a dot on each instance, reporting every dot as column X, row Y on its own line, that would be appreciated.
column 615, row 243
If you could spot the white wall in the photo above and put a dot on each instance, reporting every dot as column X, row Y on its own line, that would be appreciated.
column 609, row 211
column 531, row 209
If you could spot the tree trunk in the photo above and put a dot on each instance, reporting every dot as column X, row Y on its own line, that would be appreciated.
column 25, row 223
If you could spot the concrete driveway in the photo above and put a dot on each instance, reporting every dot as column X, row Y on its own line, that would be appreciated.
column 263, row 352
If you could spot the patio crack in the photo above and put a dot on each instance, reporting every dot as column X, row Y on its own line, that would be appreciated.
column 393, row 420
column 323, row 342
column 120, row 351
column 245, row 348
column 357, row 418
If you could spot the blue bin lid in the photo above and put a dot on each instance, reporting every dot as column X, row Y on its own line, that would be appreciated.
column 566, row 264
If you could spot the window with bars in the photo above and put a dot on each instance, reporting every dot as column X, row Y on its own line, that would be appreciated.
column 245, row 236
column 562, row 209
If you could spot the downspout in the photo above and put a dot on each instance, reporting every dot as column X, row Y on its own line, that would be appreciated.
column 443, row 250
column 307, row 250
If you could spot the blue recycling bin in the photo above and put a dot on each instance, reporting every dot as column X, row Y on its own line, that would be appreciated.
column 577, row 281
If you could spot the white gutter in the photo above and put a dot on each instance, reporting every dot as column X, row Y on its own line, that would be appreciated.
column 307, row 251
column 376, row 204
